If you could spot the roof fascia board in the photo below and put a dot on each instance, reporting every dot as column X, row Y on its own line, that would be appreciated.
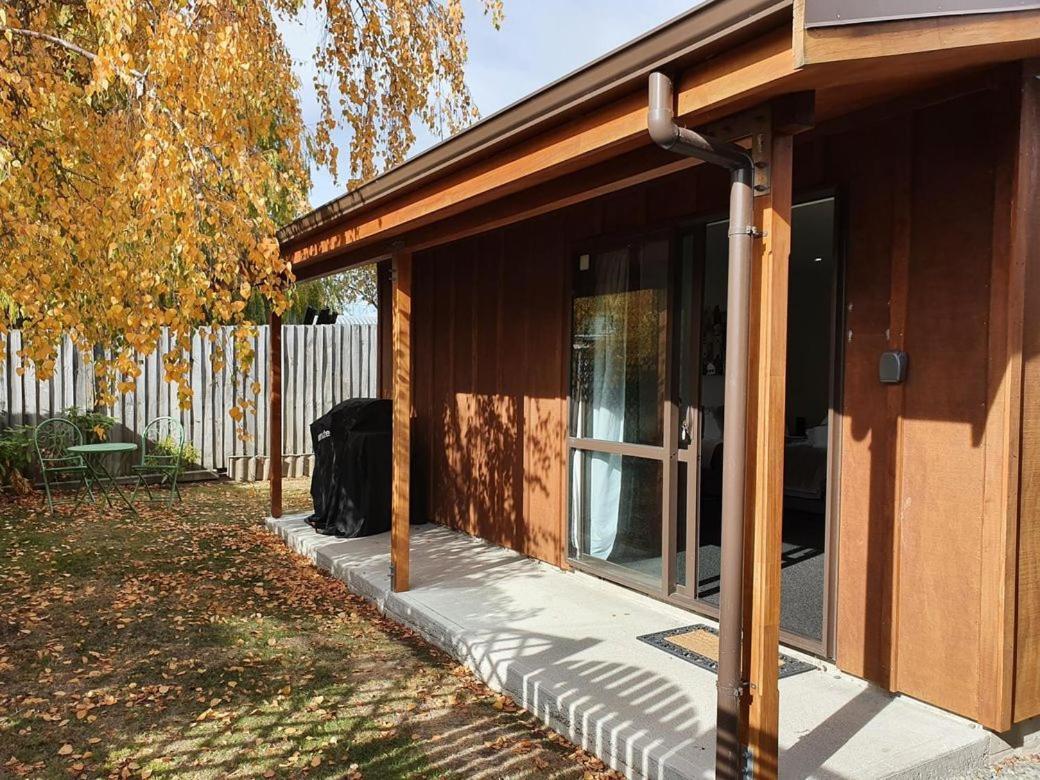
column 698, row 34
column 950, row 34
column 589, row 139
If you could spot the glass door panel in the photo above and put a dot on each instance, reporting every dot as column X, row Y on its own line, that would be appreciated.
column 617, row 359
column 618, row 381
column 808, row 407
column 616, row 511
column 646, row 415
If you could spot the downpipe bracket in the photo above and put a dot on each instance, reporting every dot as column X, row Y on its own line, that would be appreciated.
column 749, row 230
column 736, row 691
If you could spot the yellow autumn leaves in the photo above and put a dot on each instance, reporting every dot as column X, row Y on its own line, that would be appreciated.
column 141, row 169
column 149, row 152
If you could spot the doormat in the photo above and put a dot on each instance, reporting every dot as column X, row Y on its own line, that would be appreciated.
column 699, row 645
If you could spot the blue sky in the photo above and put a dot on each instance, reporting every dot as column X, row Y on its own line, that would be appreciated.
column 539, row 41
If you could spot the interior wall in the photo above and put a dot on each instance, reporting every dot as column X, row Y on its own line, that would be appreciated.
column 809, row 331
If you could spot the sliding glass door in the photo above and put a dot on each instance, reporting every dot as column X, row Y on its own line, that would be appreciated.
column 809, row 407
column 648, row 367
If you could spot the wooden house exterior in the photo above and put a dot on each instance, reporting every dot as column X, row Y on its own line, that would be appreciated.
column 921, row 136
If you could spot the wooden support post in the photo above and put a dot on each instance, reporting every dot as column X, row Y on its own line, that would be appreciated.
column 765, row 491
column 1014, row 237
column 1019, row 604
column 402, row 395
column 274, row 413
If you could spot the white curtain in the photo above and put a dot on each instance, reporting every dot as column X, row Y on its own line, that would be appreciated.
column 601, row 412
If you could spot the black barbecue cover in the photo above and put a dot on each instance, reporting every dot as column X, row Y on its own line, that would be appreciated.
column 350, row 485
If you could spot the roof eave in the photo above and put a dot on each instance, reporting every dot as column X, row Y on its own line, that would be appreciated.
column 693, row 36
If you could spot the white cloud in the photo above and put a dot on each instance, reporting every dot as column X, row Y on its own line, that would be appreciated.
column 539, row 42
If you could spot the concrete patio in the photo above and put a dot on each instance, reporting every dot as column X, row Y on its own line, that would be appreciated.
column 564, row 645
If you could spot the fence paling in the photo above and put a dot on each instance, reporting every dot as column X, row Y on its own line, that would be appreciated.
column 322, row 365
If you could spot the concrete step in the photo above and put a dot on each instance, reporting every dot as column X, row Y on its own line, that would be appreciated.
column 564, row 646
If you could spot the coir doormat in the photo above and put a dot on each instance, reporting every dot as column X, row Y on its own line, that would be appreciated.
column 699, row 645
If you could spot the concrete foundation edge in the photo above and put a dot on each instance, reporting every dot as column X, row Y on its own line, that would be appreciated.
column 629, row 751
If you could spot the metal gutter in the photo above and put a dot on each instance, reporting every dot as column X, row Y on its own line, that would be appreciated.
column 694, row 36
column 729, row 759
column 832, row 13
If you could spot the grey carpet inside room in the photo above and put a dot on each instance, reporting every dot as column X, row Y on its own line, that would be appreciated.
column 801, row 576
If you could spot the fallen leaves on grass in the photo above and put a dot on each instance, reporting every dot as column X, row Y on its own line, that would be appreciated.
column 192, row 643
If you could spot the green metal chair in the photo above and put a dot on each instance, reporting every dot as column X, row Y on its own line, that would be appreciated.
column 52, row 439
column 162, row 453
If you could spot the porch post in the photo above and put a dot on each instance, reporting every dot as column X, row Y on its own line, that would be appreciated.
column 274, row 412
column 765, row 453
column 402, row 435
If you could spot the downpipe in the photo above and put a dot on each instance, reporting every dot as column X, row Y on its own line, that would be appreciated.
column 666, row 134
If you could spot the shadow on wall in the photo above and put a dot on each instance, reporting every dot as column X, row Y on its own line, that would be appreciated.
column 925, row 248
column 489, row 391
column 491, row 321
column 490, row 376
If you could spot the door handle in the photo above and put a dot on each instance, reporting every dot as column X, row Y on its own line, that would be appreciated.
column 686, row 427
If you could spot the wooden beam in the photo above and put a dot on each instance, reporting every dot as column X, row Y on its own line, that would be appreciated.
column 628, row 170
column 842, row 43
column 766, row 429
column 617, row 127
column 274, row 413
column 743, row 73
column 402, row 425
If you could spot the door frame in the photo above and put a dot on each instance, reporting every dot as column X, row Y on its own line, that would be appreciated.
column 668, row 452
column 629, row 240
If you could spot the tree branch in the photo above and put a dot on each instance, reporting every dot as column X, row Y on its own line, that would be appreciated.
column 69, row 45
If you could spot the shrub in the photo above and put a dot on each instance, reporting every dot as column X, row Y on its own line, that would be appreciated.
column 16, row 458
column 189, row 454
column 93, row 425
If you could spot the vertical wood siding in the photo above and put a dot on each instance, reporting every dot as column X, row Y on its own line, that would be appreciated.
column 916, row 610
column 919, row 523
column 491, row 333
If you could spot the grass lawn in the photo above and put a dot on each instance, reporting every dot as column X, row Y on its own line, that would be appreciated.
column 191, row 643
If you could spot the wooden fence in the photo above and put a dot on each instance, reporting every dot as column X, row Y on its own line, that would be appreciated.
column 321, row 365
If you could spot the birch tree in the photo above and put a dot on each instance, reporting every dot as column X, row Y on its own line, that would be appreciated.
column 150, row 149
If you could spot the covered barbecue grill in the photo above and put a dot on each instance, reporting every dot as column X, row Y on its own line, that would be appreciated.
column 350, row 485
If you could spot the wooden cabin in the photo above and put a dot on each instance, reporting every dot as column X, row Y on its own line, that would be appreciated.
column 554, row 322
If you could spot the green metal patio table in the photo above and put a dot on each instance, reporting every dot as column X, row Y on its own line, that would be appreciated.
column 94, row 455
